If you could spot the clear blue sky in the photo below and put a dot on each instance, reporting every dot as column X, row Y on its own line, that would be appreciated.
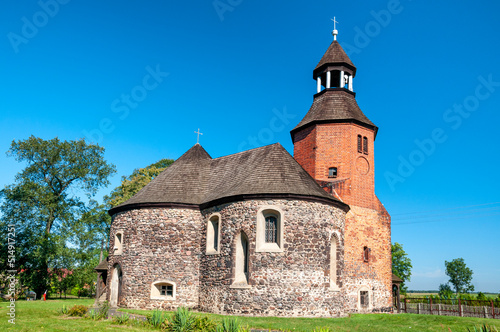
column 68, row 70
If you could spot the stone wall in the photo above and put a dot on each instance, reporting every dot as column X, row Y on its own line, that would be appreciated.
column 158, row 244
column 294, row 282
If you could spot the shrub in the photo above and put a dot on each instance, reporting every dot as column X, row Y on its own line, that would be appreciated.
column 229, row 325
column 484, row 328
column 157, row 319
column 63, row 310
column 204, row 324
column 78, row 310
column 182, row 320
column 121, row 319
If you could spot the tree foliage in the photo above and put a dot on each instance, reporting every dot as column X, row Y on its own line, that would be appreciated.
column 445, row 291
column 401, row 265
column 460, row 275
column 46, row 202
column 136, row 181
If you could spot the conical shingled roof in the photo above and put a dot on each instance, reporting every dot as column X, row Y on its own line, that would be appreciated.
column 195, row 179
column 334, row 54
column 334, row 106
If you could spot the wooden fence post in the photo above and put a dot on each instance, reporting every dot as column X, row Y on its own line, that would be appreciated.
column 430, row 308
column 459, row 308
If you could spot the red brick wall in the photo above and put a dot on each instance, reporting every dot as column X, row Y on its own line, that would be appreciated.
column 322, row 146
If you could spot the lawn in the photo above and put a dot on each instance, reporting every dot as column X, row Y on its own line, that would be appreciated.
column 43, row 316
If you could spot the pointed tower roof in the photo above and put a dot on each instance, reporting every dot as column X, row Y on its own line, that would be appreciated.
column 334, row 55
column 337, row 102
column 196, row 180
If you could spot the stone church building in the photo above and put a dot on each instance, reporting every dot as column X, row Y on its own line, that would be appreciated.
column 261, row 232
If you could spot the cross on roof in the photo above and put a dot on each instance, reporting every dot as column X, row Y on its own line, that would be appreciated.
column 198, row 137
column 334, row 22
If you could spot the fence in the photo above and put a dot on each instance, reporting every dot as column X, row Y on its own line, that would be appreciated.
column 452, row 307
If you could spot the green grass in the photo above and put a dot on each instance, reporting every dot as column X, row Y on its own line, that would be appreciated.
column 43, row 316
column 356, row 322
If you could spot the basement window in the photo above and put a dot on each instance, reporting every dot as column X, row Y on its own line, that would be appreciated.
column 163, row 290
column 332, row 172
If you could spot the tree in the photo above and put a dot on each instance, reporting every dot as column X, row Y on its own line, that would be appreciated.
column 46, row 199
column 460, row 275
column 136, row 181
column 401, row 265
column 445, row 291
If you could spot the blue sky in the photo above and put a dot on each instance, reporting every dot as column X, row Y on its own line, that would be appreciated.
column 141, row 77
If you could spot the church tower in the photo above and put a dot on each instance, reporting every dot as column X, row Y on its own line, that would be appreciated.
column 334, row 143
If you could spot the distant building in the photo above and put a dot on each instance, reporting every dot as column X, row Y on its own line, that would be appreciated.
column 261, row 232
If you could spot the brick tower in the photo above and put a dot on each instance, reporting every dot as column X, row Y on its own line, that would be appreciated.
column 334, row 143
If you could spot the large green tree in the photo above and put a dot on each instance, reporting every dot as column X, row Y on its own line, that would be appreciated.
column 136, row 181
column 47, row 199
column 460, row 275
column 401, row 265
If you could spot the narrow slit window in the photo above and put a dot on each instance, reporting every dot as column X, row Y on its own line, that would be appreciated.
column 360, row 144
column 271, row 229
column 216, row 234
column 366, row 254
column 365, row 145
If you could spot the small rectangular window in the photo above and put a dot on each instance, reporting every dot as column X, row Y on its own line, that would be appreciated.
column 167, row 290
column 360, row 144
column 332, row 172
column 364, row 299
column 365, row 145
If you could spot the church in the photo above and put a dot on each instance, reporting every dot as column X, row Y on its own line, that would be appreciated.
column 261, row 232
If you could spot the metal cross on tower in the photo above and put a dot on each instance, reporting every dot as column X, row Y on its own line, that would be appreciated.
column 198, row 137
column 334, row 32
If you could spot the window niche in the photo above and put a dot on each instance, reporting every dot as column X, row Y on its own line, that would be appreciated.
column 360, row 144
column 213, row 234
column 334, row 245
column 118, row 246
column 163, row 290
column 241, row 266
column 269, row 230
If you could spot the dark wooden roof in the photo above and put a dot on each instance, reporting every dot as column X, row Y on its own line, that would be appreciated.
column 198, row 181
column 334, row 55
column 396, row 279
column 334, row 105
column 102, row 266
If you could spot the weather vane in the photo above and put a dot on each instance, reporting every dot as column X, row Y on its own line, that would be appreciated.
column 335, row 31
column 198, row 137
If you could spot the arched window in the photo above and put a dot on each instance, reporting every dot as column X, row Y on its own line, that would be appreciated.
column 163, row 290
column 271, row 229
column 118, row 245
column 241, row 268
column 269, row 236
column 213, row 235
column 334, row 285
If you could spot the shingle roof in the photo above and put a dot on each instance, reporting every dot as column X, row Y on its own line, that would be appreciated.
column 334, row 106
column 334, row 54
column 196, row 179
